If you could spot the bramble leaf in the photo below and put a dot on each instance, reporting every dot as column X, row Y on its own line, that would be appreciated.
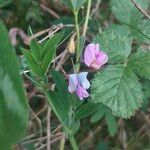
column 118, row 88
column 129, row 15
column 140, row 63
column 115, row 43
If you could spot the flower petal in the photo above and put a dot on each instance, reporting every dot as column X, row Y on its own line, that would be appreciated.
column 82, row 78
column 101, row 59
column 81, row 92
column 89, row 54
column 73, row 82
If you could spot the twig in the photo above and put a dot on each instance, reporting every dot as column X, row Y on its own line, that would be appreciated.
column 41, row 138
column 48, row 128
column 54, row 14
column 27, row 39
column 38, row 121
column 53, row 141
column 140, row 9
column 58, row 128
column 91, row 134
column 95, row 8
column 64, row 56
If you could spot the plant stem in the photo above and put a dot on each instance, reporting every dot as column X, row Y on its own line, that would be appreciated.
column 78, row 36
column 73, row 143
column 87, row 18
column 71, row 138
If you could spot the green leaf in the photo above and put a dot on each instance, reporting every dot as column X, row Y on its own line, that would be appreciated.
column 63, row 104
column 35, row 68
column 140, row 63
column 115, row 43
column 49, row 50
column 51, row 44
column 4, row 3
column 85, row 110
column 36, row 50
column 129, row 14
column 133, row 18
column 111, row 123
column 74, row 4
column 142, row 32
column 13, row 104
column 118, row 88
column 104, row 112
column 99, row 113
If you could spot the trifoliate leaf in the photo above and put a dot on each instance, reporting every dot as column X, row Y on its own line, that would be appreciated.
column 118, row 88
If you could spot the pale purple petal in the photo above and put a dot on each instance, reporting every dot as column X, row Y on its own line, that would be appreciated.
column 101, row 59
column 81, row 92
column 73, row 82
column 82, row 78
column 89, row 54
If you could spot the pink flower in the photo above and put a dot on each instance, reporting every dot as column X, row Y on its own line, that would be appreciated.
column 94, row 57
column 78, row 83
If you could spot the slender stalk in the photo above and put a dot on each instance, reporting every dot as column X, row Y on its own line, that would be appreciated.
column 87, row 18
column 73, row 143
column 78, row 35
column 62, row 142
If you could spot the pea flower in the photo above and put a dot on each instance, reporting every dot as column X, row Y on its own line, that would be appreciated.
column 94, row 57
column 78, row 83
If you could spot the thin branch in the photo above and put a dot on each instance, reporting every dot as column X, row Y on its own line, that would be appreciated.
column 42, row 138
column 54, row 14
column 48, row 129
column 140, row 9
column 53, row 141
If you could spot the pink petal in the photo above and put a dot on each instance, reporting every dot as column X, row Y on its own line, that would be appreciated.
column 101, row 59
column 82, row 78
column 89, row 54
column 73, row 82
column 81, row 92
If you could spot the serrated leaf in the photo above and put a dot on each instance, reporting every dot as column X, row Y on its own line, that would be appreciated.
column 115, row 43
column 129, row 14
column 35, row 68
column 143, row 27
column 118, row 88
column 140, row 63
column 13, row 104
column 35, row 50
column 132, row 17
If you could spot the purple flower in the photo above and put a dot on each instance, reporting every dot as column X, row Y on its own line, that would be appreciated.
column 78, row 83
column 94, row 57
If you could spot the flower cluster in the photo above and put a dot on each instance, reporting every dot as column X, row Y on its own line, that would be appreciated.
column 94, row 58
